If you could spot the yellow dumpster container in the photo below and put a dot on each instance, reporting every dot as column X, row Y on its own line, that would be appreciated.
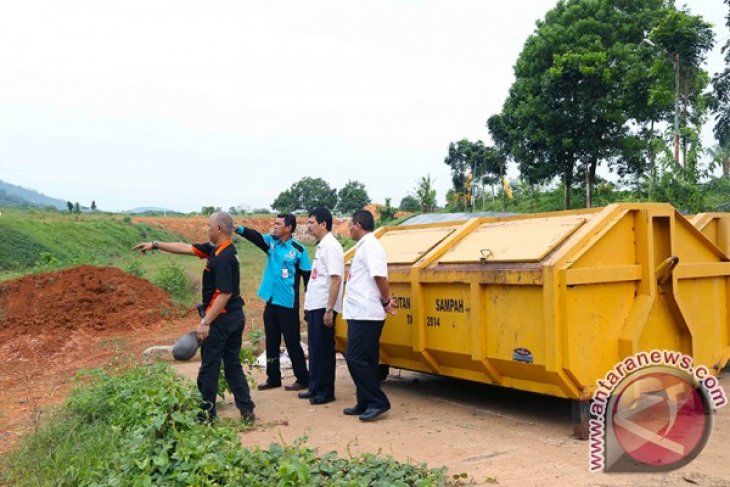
column 716, row 227
column 550, row 302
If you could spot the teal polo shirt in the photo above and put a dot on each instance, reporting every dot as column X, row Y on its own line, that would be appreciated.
column 286, row 261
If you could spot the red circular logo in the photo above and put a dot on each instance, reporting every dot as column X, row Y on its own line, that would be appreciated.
column 660, row 417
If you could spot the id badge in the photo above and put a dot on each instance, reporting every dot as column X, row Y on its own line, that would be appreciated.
column 285, row 273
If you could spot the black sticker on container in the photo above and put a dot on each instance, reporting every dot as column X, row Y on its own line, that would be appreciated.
column 522, row 355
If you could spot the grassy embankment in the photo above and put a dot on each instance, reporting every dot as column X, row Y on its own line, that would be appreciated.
column 37, row 241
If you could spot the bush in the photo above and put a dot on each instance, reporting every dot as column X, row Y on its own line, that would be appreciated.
column 139, row 427
column 173, row 279
column 685, row 195
column 409, row 203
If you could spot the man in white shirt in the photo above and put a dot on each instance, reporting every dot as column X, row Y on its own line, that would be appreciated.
column 367, row 300
column 322, row 304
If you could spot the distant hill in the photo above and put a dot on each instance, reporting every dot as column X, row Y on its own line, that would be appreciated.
column 153, row 210
column 17, row 196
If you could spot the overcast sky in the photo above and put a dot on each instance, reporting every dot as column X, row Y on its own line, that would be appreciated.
column 184, row 103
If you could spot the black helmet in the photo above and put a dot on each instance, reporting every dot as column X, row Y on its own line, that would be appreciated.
column 186, row 346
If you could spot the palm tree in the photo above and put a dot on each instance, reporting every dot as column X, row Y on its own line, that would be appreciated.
column 720, row 157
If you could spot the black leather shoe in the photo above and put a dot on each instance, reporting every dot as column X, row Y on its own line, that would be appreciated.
column 305, row 395
column 295, row 387
column 266, row 386
column 353, row 411
column 320, row 400
column 373, row 413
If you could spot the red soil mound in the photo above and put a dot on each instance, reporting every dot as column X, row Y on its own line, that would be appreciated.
column 56, row 323
column 82, row 298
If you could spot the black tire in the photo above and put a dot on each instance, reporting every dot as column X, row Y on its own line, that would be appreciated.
column 383, row 371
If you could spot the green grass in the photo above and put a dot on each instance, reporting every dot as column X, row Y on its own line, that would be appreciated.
column 31, row 240
column 137, row 426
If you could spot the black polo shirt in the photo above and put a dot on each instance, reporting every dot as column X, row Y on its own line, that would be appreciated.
column 221, row 275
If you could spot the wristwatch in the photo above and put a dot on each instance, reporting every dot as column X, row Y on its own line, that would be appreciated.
column 328, row 310
column 155, row 245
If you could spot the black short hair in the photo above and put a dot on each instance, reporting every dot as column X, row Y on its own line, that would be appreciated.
column 365, row 219
column 289, row 220
column 322, row 214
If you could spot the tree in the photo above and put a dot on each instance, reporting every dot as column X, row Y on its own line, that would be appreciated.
column 77, row 208
column 306, row 194
column 352, row 197
column 721, row 157
column 314, row 192
column 559, row 108
column 470, row 162
column 571, row 104
column 499, row 133
column 665, row 70
column 721, row 102
column 425, row 194
column 70, row 206
column 409, row 203
column 500, row 154
column 462, row 158
column 688, row 38
column 286, row 202
column 93, row 205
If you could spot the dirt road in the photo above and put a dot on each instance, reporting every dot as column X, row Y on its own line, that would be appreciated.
column 492, row 434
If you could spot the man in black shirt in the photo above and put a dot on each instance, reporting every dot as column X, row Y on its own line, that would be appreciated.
column 221, row 328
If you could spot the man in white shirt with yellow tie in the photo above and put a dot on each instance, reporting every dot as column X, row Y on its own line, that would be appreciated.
column 367, row 300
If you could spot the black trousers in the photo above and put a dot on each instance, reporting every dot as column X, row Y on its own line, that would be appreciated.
column 363, row 355
column 279, row 321
column 321, row 355
column 224, row 343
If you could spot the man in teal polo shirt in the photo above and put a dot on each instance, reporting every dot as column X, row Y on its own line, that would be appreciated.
column 287, row 263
